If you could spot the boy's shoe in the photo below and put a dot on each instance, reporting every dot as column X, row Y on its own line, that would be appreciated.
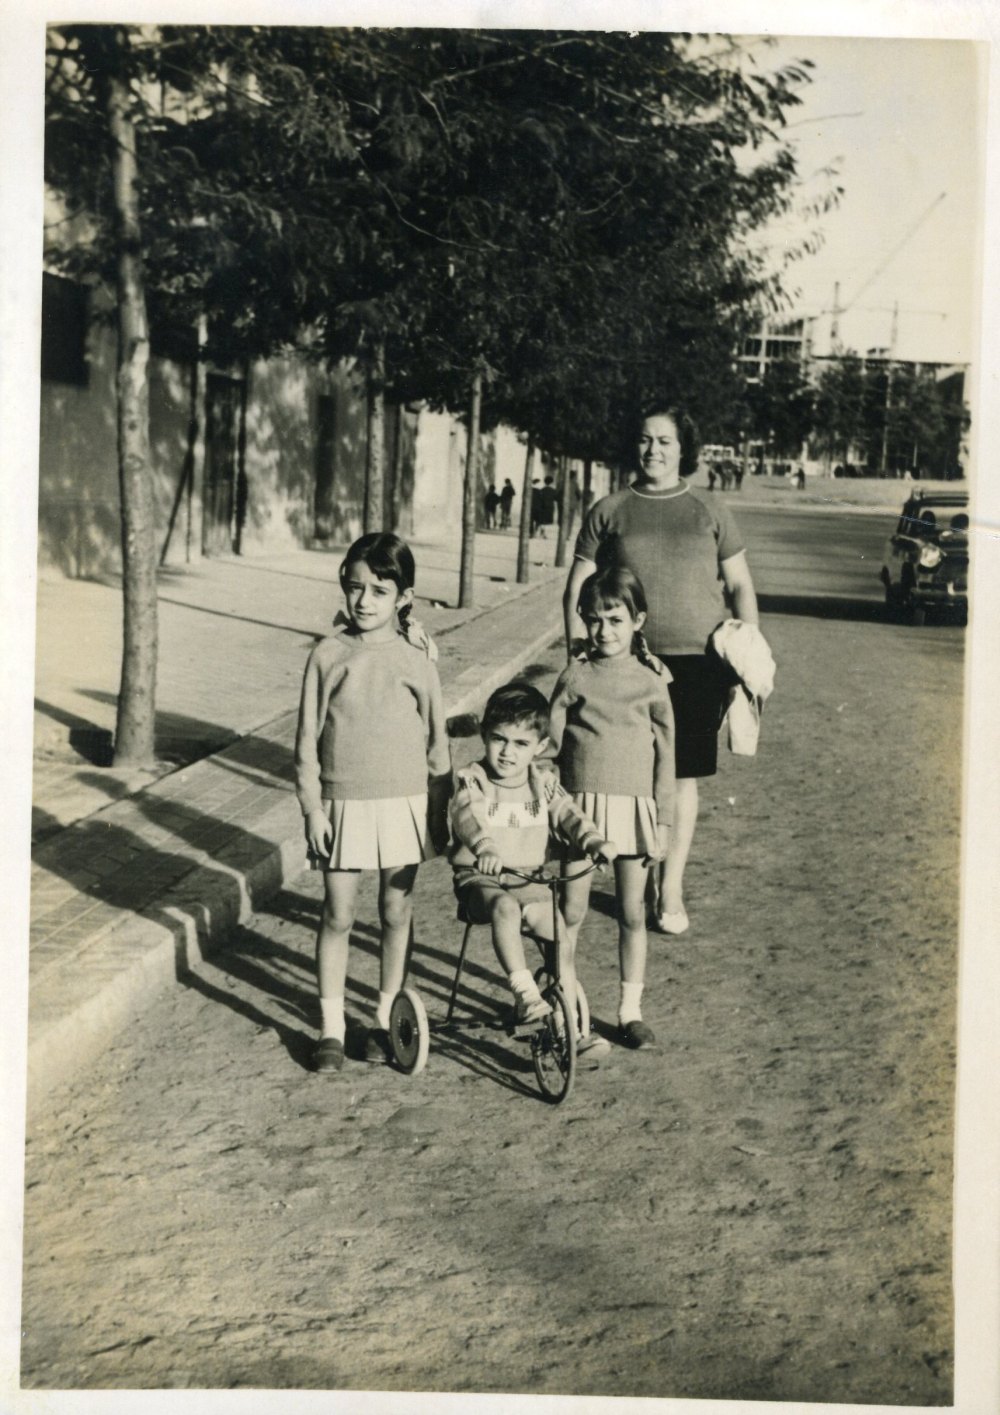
column 673, row 923
column 530, row 1013
column 378, row 1048
column 328, row 1054
column 592, row 1047
column 637, row 1035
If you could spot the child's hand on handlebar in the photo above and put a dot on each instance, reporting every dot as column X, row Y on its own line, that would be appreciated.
column 490, row 863
column 604, row 853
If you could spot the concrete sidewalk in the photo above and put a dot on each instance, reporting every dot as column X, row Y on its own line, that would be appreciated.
column 131, row 890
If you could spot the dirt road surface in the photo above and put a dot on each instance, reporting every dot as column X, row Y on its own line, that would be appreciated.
column 760, row 1209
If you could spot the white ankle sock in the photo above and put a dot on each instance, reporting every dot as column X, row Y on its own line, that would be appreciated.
column 332, row 1009
column 385, row 1000
column 629, row 1009
column 523, row 984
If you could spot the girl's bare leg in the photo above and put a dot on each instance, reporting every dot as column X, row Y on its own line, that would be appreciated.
column 340, row 889
column 340, row 892
column 395, row 909
column 576, row 899
column 630, row 879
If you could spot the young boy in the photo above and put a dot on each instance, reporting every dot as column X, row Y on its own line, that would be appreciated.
column 506, row 809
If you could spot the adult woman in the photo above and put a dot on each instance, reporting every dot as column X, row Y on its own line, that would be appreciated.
column 689, row 556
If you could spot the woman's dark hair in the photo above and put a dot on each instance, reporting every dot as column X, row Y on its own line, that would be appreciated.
column 687, row 433
column 386, row 555
column 615, row 584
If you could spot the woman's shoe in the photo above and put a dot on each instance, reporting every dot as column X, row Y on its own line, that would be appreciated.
column 591, row 1047
column 378, row 1047
column 673, row 923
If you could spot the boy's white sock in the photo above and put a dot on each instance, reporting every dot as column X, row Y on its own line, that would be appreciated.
column 332, row 1009
column 629, row 1009
column 523, row 984
column 385, row 1001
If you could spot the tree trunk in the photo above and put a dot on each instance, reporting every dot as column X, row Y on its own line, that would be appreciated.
column 470, row 500
column 524, row 530
column 136, row 717
column 396, row 482
column 375, row 465
column 565, row 511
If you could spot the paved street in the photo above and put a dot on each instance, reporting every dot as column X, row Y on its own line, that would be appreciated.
column 759, row 1209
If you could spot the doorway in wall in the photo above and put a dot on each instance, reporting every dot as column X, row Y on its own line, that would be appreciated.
column 223, row 398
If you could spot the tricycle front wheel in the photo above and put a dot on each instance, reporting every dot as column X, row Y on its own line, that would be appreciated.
column 553, row 1047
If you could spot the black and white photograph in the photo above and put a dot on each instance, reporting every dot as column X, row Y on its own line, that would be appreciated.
column 593, row 415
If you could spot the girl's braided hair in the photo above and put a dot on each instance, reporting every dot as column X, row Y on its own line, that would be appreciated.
column 386, row 555
column 616, row 584
column 390, row 558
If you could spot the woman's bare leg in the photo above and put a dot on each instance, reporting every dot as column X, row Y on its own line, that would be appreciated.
column 684, row 822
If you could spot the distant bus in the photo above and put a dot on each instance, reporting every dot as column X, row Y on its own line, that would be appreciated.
column 717, row 452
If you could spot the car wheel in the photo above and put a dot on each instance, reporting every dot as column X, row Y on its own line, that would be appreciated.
column 893, row 605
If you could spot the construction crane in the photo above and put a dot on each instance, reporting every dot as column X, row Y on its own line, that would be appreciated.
column 839, row 309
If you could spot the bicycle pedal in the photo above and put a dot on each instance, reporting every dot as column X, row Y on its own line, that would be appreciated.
column 528, row 1029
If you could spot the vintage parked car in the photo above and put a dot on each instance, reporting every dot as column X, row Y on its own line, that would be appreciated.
column 926, row 559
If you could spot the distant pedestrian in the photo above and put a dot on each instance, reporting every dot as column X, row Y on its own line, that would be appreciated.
column 711, row 476
column 507, row 494
column 372, row 774
column 800, row 477
column 547, row 500
column 490, row 503
column 536, row 487
column 611, row 726
column 738, row 475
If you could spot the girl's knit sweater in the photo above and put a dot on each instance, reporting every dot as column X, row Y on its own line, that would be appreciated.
column 611, row 725
column 515, row 822
column 371, row 722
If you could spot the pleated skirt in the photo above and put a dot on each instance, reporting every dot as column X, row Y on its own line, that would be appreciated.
column 378, row 835
column 628, row 821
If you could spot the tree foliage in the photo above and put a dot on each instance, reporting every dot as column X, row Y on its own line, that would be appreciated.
column 567, row 211
column 887, row 417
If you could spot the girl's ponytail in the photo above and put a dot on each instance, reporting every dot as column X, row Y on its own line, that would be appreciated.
column 414, row 632
column 642, row 652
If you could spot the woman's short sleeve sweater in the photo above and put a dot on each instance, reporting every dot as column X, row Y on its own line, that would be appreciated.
column 371, row 722
column 675, row 543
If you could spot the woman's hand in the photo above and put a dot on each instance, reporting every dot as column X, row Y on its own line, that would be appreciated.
column 319, row 832
column 662, row 846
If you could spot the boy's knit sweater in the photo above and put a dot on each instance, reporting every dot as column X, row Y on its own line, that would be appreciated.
column 611, row 725
column 371, row 722
column 514, row 822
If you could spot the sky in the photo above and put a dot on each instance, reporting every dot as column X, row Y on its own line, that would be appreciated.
column 903, row 121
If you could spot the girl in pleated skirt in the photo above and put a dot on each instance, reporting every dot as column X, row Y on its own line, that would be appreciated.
column 612, row 728
column 373, row 771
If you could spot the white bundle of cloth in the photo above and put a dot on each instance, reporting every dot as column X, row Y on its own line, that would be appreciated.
column 748, row 653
